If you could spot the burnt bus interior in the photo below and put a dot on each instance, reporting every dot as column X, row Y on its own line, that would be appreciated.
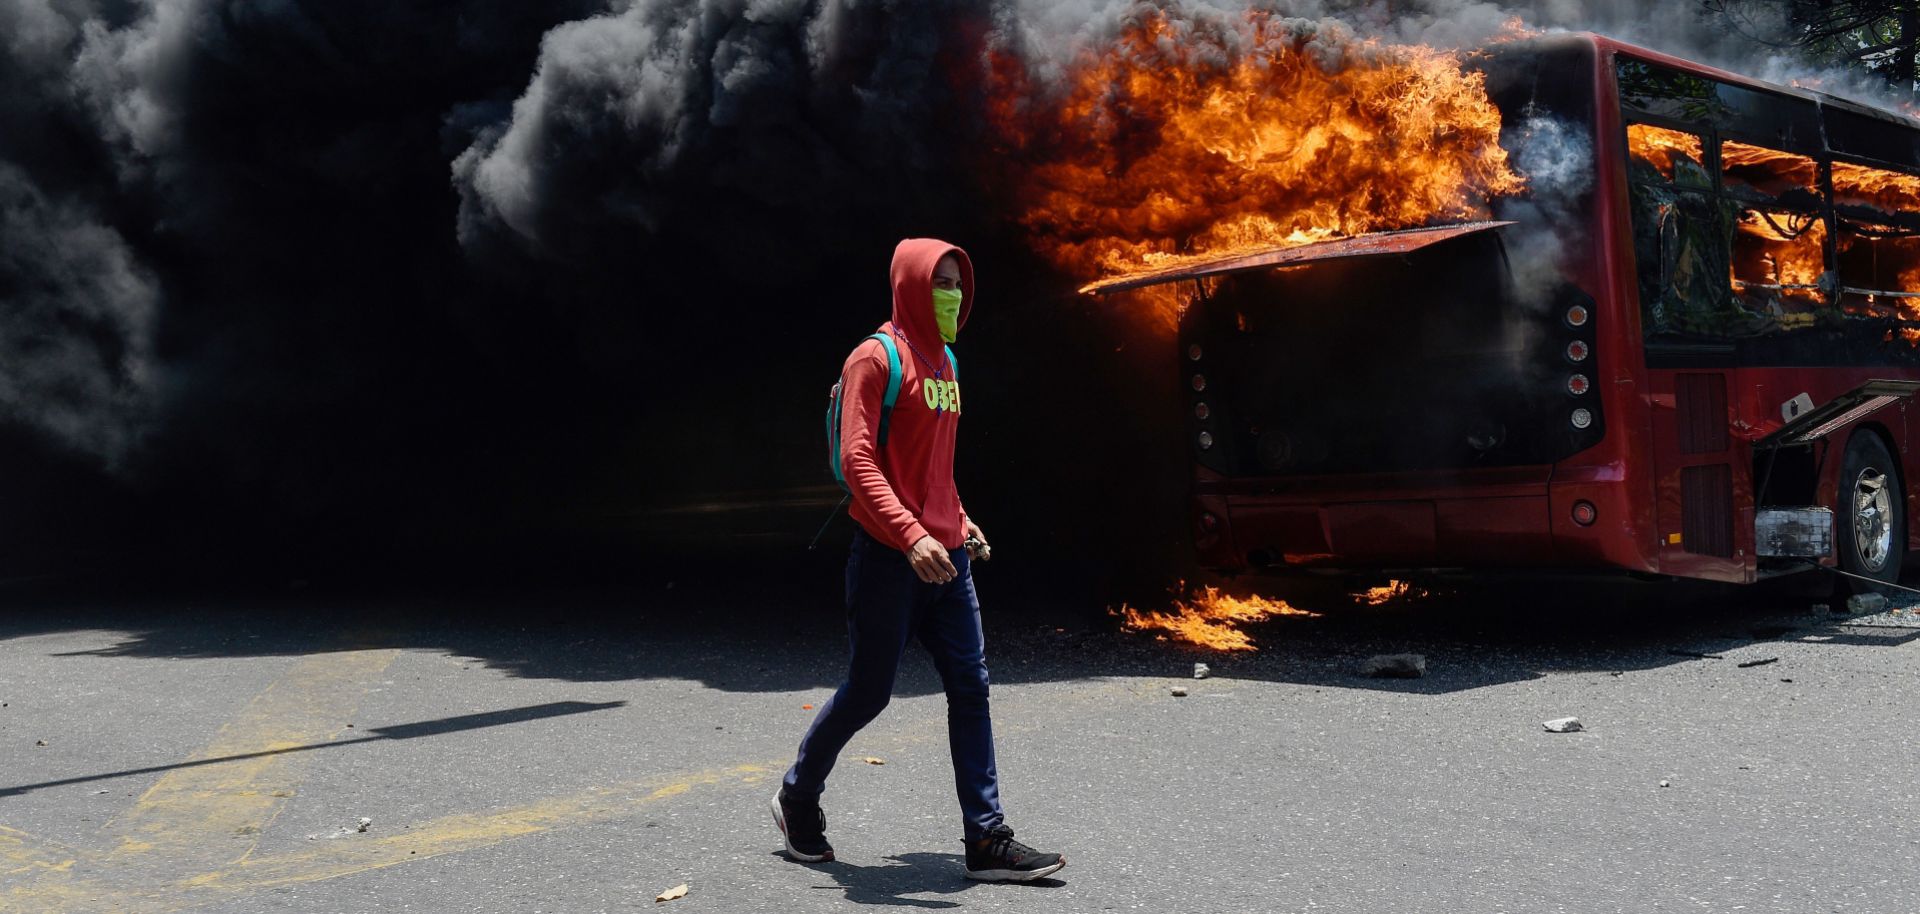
column 1428, row 360
column 1770, row 229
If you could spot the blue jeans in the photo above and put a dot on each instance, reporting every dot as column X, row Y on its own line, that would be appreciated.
column 887, row 604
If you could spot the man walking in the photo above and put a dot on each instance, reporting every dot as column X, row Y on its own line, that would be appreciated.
column 909, row 574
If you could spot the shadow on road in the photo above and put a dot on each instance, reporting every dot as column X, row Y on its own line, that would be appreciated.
column 398, row 731
column 908, row 874
column 746, row 634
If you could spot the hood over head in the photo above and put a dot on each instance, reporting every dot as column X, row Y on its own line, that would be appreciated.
column 913, row 263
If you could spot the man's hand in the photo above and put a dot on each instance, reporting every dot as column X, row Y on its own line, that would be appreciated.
column 929, row 560
column 974, row 532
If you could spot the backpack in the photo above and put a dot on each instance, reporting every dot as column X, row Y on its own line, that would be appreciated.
column 886, row 404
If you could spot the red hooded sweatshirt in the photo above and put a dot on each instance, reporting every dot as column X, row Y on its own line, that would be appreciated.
column 904, row 491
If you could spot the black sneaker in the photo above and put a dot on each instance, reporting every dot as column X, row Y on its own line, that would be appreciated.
column 804, row 827
column 1007, row 860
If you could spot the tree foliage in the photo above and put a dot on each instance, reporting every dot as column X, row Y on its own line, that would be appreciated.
column 1880, row 37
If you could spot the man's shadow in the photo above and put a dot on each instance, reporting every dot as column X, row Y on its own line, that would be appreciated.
column 908, row 874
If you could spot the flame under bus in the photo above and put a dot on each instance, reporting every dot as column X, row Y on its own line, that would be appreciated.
column 1732, row 255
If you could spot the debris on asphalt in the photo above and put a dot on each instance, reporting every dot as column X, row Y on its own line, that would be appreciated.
column 40, row 742
column 1178, row 691
column 1786, row 680
column 678, row 891
column 1563, row 725
column 1698, row 654
column 806, row 707
column 874, row 760
column 1761, row 662
column 1395, row 666
column 357, row 827
column 1666, row 783
column 1201, row 671
column 1866, row 604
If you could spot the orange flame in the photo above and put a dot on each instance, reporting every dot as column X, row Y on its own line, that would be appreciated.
column 1209, row 619
column 1859, row 185
column 1389, row 592
column 1779, row 255
column 1889, row 190
column 1769, row 170
column 1205, row 138
column 1661, row 148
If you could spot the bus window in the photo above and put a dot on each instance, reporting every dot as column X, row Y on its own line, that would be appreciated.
column 1758, row 174
column 1662, row 92
column 1680, row 231
column 1778, row 257
column 1879, row 243
column 1875, row 188
column 1779, row 244
column 1649, row 91
column 1871, row 135
column 1673, row 156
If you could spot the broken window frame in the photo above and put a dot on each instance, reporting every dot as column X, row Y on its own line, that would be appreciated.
column 1826, row 129
column 1752, row 117
column 1778, row 211
column 1871, row 222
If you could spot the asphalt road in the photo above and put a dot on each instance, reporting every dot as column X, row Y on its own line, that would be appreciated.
column 567, row 752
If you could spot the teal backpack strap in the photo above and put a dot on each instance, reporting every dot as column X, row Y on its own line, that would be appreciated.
column 953, row 364
column 893, row 383
column 833, row 422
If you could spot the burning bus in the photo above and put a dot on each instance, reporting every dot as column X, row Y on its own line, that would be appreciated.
column 1711, row 377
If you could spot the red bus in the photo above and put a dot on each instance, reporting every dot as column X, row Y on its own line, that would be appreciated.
column 1685, row 351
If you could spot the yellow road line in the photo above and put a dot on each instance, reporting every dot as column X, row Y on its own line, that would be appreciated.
column 210, row 815
column 23, row 855
column 457, row 833
column 351, row 855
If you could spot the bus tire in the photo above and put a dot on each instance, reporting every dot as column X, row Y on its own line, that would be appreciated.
column 1870, row 521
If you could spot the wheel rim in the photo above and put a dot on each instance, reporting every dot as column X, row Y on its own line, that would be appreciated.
column 1872, row 519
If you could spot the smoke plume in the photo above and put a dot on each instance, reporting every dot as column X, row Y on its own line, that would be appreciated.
column 309, row 272
column 76, row 343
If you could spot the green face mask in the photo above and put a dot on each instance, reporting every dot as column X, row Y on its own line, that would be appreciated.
column 946, row 312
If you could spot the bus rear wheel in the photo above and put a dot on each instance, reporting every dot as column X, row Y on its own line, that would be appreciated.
column 1870, row 527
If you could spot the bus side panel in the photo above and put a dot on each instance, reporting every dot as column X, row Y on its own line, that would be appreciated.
column 1757, row 405
column 1704, row 489
column 1616, row 476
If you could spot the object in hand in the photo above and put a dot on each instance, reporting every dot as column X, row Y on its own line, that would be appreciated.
column 977, row 549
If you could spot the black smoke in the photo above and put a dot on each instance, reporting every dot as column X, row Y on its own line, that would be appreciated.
column 303, row 285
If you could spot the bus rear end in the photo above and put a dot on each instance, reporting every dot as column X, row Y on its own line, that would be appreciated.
column 1399, row 410
column 1425, row 399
